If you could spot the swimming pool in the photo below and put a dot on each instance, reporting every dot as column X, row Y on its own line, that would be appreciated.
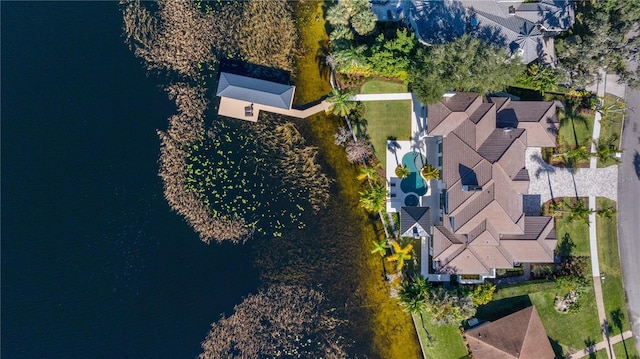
column 414, row 182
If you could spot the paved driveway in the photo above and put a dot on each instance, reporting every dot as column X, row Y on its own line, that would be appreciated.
column 548, row 181
column 629, row 211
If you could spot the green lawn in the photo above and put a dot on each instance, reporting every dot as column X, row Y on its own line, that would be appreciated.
column 613, row 292
column 631, row 350
column 611, row 124
column 385, row 119
column 446, row 340
column 567, row 332
column 600, row 354
column 578, row 233
column 583, row 124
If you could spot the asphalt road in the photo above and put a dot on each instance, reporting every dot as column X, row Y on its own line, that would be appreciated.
column 629, row 210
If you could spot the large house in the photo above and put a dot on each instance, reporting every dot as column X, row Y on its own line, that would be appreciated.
column 523, row 28
column 520, row 335
column 483, row 225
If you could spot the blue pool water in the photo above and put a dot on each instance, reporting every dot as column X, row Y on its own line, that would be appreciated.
column 414, row 182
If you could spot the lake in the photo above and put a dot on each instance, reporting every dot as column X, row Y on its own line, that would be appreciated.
column 94, row 263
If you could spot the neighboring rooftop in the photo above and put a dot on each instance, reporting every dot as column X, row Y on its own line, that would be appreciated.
column 521, row 28
column 484, row 179
column 520, row 335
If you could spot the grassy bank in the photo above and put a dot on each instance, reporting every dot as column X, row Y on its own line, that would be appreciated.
column 334, row 252
column 611, row 124
column 385, row 119
column 613, row 292
column 626, row 349
column 446, row 341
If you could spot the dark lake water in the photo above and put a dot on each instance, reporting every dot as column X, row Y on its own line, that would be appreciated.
column 94, row 264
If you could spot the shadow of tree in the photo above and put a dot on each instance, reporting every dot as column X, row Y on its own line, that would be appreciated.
column 566, row 246
column 636, row 163
column 590, row 347
column 500, row 308
column 557, row 348
column 617, row 317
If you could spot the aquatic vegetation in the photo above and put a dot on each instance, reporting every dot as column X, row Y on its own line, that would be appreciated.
column 281, row 321
column 177, row 38
column 262, row 173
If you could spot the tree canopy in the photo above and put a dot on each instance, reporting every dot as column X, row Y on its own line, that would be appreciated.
column 354, row 12
column 606, row 34
column 466, row 64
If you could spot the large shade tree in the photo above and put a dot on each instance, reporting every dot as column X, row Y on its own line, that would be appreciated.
column 466, row 64
column 606, row 35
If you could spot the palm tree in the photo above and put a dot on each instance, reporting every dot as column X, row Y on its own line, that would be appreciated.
column 374, row 199
column 381, row 247
column 400, row 254
column 338, row 15
column 607, row 213
column 341, row 103
column 606, row 151
column 369, row 172
column 402, row 171
column 413, row 297
column 578, row 211
column 575, row 156
column 364, row 22
column 429, row 172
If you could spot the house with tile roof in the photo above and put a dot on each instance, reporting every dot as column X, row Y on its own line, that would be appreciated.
column 520, row 335
column 484, row 227
column 524, row 29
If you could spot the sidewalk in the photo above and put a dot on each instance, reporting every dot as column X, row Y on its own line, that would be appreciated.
column 602, row 345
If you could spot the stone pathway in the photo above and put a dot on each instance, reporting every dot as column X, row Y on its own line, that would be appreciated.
column 548, row 181
column 602, row 345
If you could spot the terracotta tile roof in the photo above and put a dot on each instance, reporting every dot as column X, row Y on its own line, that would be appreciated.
column 484, row 225
column 500, row 102
column 491, row 256
column 520, row 335
column 463, row 101
column 498, row 142
column 464, row 263
column 446, row 245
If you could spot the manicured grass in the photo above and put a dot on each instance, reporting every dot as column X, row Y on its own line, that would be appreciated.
column 613, row 292
column 600, row 354
column 631, row 351
column 568, row 332
column 611, row 125
column 446, row 340
column 578, row 233
column 385, row 119
column 583, row 124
